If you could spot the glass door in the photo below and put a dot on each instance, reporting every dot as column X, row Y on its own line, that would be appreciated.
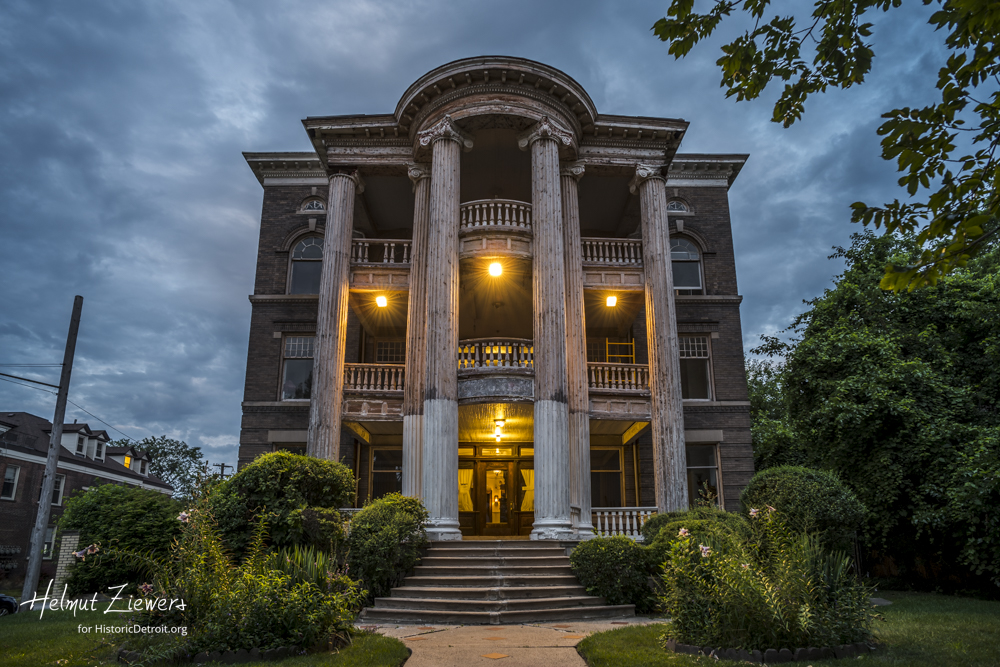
column 497, row 498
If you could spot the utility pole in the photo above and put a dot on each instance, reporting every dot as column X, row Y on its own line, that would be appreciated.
column 55, row 445
column 222, row 469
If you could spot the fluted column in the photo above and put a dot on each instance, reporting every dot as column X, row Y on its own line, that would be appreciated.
column 323, row 440
column 669, row 456
column 551, row 417
column 576, row 352
column 416, row 357
column 440, row 421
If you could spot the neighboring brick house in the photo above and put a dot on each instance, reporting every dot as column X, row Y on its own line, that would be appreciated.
column 459, row 300
column 86, row 460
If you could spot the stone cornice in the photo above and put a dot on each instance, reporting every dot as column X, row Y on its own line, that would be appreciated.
column 714, row 299
column 706, row 167
column 299, row 166
column 545, row 129
column 303, row 299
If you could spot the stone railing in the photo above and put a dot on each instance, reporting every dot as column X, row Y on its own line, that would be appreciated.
column 495, row 353
column 496, row 213
column 616, row 252
column 625, row 521
column 618, row 377
column 380, row 251
column 375, row 378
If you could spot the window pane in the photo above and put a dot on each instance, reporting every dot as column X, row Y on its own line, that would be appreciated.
column 694, row 378
column 700, row 456
column 390, row 352
column 702, row 485
column 386, row 482
column 47, row 546
column 605, row 489
column 605, row 459
column 310, row 248
column 57, row 489
column 305, row 277
column 682, row 249
column 299, row 346
column 687, row 275
column 387, row 459
column 9, row 482
column 298, row 379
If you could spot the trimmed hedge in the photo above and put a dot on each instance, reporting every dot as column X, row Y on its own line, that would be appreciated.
column 809, row 501
column 728, row 529
column 385, row 541
column 613, row 568
column 653, row 524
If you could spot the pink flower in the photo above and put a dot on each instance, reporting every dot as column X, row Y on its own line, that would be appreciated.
column 183, row 517
column 146, row 589
column 753, row 512
column 705, row 551
column 769, row 508
column 683, row 532
column 745, row 566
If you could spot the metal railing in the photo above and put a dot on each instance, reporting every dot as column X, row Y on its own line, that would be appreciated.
column 617, row 252
column 486, row 213
column 495, row 353
column 625, row 521
column 380, row 251
column 619, row 377
column 379, row 378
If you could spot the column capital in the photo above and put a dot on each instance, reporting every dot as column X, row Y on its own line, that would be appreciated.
column 643, row 173
column 544, row 129
column 445, row 129
column 573, row 169
column 418, row 171
column 359, row 184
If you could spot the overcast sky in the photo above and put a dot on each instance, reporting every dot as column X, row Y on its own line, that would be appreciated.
column 122, row 126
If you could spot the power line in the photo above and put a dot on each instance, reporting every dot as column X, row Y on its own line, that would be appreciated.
column 32, row 365
column 27, row 385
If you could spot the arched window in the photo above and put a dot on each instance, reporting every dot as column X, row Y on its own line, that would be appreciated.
column 686, row 262
column 314, row 205
column 676, row 206
column 307, row 264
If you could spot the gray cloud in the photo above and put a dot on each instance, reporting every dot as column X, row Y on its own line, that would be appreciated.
column 121, row 176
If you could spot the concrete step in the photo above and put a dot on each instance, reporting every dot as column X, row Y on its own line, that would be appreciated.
column 486, row 593
column 499, row 581
column 496, row 551
column 475, row 570
column 403, row 616
column 488, row 605
column 494, row 561
column 494, row 544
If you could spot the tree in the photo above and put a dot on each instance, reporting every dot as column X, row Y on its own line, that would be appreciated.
column 173, row 461
column 899, row 395
column 958, row 212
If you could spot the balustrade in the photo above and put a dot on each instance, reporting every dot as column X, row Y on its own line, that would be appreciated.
column 373, row 377
column 380, row 251
column 625, row 521
column 502, row 213
column 618, row 252
column 619, row 377
column 495, row 353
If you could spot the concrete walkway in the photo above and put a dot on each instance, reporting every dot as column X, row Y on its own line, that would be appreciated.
column 543, row 644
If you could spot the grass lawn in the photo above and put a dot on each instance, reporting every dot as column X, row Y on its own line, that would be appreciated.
column 26, row 641
column 920, row 629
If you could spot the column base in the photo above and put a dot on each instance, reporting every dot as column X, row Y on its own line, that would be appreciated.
column 445, row 530
column 553, row 529
column 584, row 531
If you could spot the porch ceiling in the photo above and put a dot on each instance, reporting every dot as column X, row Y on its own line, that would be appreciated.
column 476, row 422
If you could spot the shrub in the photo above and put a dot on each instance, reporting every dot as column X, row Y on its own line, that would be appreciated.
column 613, row 568
column 299, row 494
column 809, row 501
column 779, row 589
column 118, row 516
column 385, row 541
column 730, row 528
column 651, row 528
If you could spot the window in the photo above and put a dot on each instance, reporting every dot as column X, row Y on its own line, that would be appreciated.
column 307, row 265
column 390, row 352
column 57, row 490
column 128, row 461
column 297, row 375
column 387, row 472
column 142, row 469
column 99, row 452
column 50, row 537
column 10, row 476
column 314, row 205
column 606, row 478
column 81, row 444
column 696, row 379
column 686, row 263
column 677, row 206
column 703, row 474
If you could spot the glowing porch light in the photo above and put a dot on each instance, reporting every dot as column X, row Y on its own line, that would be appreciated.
column 381, row 301
column 612, row 301
column 496, row 269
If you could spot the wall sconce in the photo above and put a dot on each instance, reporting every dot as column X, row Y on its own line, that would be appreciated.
column 612, row 301
column 496, row 269
column 381, row 301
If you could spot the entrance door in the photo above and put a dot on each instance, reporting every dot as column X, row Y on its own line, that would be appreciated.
column 497, row 498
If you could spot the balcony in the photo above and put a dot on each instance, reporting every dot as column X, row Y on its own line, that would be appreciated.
column 380, row 264
column 618, row 377
column 612, row 264
column 495, row 228
column 496, row 370
column 374, row 378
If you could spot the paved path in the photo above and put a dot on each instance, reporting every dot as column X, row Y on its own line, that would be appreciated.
column 544, row 644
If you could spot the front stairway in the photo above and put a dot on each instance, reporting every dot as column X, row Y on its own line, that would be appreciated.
column 491, row 582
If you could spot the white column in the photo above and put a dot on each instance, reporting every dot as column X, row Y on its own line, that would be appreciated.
column 323, row 440
column 576, row 352
column 440, row 435
column 669, row 455
column 552, row 458
column 416, row 357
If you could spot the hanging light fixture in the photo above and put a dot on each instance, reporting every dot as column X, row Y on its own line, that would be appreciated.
column 381, row 301
column 496, row 269
column 612, row 301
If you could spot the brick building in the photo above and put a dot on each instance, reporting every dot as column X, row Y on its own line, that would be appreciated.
column 503, row 302
column 86, row 460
